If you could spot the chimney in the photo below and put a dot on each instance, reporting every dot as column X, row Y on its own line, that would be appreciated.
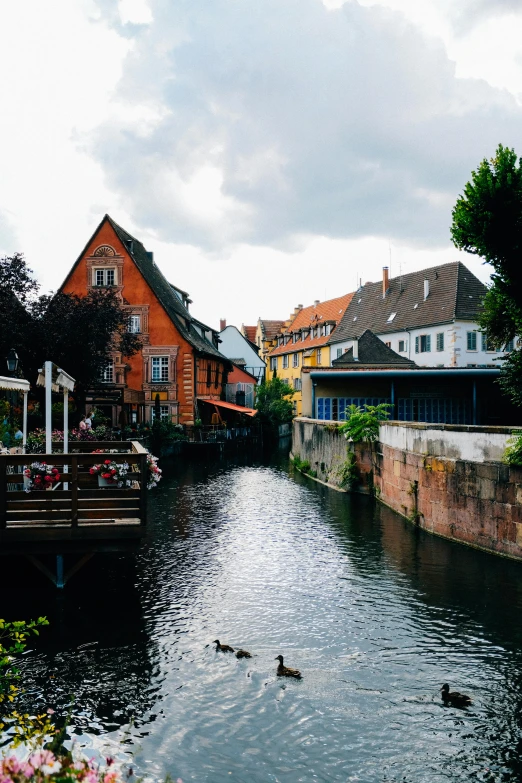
column 385, row 281
column 298, row 309
column 317, row 301
column 222, row 324
column 150, row 256
column 426, row 289
column 355, row 350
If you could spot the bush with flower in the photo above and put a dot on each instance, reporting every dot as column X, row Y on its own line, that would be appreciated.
column 115, row 472
column 43, row 765
column 154, row 472
column 40, row 476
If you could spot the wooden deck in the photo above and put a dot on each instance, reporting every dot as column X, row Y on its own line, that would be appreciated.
column 78, row 511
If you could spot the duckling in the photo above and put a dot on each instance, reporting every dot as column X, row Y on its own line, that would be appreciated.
column 454, row 698
column 222, row 647
column 285, row 671
column 243, row 654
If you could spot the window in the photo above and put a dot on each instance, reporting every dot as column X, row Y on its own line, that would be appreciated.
column 440, row 341
column 392, row 316
column 328, row 328
column 487, row 344
column 472, row 341
column 209, row 374
column 423, row 343
column 509, row 346
column 160, row 369
column 318, row 356
column 295, row 360
column 285, row 361
column 388, row 345
column 297, row 384
column 273, row 362
column 108, row 373
column 339, row 353
column 164, row 413
column 104, row 277
column 135, row 324
column 403, row 346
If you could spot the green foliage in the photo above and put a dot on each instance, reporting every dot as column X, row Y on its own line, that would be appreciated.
column 163, row 432
column 273, row 402
column 348, row 472
column 513, row 452
column 487, row 221
column 363, row 424
column 21, row 726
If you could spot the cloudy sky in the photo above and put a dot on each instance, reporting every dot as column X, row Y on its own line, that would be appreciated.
column 270, row 152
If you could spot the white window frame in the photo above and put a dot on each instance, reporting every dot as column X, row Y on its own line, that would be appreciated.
column 104, row 275
column 273, row 363
column 404, row 348
column 297, row 384
column 471, row 337
column 318, row 356
column 419, row 343
column 134, row 321
column 285, row 361
column 339, row 353
column 159, row 367
column 108, row 372
column 164, row 413
column 440, row 341
column 295, row 360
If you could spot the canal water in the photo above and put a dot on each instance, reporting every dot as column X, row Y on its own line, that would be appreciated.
column 376, row 614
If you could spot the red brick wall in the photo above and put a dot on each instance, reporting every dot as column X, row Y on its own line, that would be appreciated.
column 475, row 503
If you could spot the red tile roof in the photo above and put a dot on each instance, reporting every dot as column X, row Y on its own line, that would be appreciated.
column 320, row 313
column 271, row 328
column 250, row 333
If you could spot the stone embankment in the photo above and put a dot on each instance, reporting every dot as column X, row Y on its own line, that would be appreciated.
column 448, row 480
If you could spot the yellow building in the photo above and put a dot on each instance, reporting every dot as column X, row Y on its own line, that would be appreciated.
column 304, row 342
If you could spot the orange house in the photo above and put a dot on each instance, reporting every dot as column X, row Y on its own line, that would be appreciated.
column 179, row 359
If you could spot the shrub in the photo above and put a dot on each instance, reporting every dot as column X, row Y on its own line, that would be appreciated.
column 513, row 452
column 363, row 424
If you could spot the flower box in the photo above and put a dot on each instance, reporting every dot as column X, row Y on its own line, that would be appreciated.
column 103, row 482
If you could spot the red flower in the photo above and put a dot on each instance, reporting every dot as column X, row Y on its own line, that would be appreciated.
column 57, row 477
column 54, row 470
column 107, row 462
column 113, row 471
column 92, row 471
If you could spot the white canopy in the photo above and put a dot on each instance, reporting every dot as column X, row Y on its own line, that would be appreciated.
column 14, row 384
column 60, row 379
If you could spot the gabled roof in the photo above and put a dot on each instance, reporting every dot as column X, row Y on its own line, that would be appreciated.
column 330, row 311
column 250, row 333
column 271, row 328
column 372, row 352
column 454, row 294
column 165, row 292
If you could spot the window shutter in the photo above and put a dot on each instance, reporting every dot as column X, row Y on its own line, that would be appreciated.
column 428, row 342
column 416, row 345
column 484, row 342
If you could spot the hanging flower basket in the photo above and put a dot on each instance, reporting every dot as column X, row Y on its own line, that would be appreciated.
column 40, row 476
column 154, row 476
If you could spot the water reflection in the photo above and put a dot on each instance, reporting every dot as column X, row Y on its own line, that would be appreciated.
column 377, row 615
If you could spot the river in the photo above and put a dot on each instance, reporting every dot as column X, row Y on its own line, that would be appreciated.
column 376, row 614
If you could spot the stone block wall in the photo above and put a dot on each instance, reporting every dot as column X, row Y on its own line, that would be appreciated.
column 474, row 503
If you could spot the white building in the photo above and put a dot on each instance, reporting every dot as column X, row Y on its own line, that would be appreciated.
column 429, row 316
column 241, row 351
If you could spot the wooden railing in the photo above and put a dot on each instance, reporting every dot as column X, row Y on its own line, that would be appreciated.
column 77, row 507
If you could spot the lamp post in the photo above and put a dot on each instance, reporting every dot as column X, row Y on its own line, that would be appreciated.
column 12, row 362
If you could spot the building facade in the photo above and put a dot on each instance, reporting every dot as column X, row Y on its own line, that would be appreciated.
column 305, row 342
column 179, row 361
column 238, row 348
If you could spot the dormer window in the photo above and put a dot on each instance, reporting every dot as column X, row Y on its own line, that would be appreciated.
column 392, row 316
column 328, row 328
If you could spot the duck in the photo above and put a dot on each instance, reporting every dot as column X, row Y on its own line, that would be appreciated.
column 243, row 654
column 222, row 647
column 286, row 671
column 454, row 698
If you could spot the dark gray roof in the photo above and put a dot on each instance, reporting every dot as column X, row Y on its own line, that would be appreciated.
column 455, row 294
column 372, row 352
column 165, row 292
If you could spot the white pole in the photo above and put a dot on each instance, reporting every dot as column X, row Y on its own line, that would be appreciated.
column 24, row 425
column 65, row 432
column 65, row 421
column 48, row 408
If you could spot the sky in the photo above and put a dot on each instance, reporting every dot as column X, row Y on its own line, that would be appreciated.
column 270, row 153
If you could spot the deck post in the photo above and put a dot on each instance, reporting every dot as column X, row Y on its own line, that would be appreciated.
column 59, row 571
column 3, row 493
column 48, row 407
column 65, row 433
column 24, row 425
column 143, row 489
column 74, row 492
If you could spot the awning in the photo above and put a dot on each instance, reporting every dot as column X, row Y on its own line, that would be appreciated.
column 230, row 406
column 14, row 384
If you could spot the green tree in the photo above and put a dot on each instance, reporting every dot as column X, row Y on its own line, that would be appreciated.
column 487, row 222
column 274, row 402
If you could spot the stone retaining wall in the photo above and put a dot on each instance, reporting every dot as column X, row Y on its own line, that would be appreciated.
column 472, row 502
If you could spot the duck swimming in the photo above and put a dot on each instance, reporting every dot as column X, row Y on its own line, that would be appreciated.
column 454, row 698
column 286, row 671
column 243, row 654
column 222, row 647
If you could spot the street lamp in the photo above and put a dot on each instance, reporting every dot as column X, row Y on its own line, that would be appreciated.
column 12, row 361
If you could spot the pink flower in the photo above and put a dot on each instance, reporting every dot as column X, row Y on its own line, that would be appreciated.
column 41, row 758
